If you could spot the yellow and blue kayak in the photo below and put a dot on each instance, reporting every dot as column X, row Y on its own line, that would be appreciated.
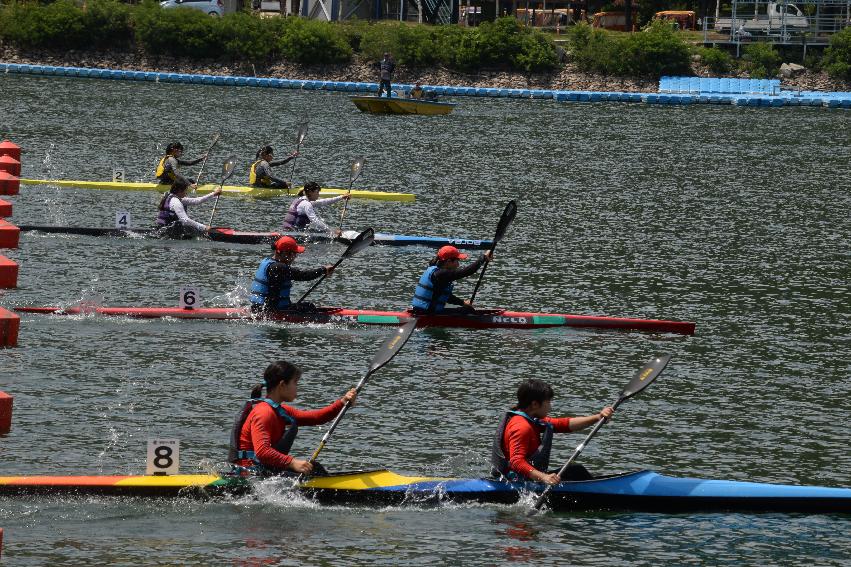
column 641, row 490
column 227, row 190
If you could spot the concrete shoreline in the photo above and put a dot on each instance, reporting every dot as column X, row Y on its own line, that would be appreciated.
column 567, row 78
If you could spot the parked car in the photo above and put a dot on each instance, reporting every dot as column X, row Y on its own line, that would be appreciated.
column 212, row 7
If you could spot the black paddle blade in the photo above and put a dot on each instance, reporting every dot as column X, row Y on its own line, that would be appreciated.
column 393, row 345
column 361, row 241
column 228, row 168
column 645, row 376
column 505, row 220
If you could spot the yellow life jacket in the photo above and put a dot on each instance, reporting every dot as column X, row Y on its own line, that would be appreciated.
column 252, row 176
column 161, row 170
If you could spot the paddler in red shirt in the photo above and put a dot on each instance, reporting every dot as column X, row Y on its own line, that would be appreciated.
column 265, row 429
column 519, row 451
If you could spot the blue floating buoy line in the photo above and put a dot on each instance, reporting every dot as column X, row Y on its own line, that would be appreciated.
column 672, row 90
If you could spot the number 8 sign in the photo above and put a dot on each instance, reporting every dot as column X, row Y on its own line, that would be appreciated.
column 163, row 456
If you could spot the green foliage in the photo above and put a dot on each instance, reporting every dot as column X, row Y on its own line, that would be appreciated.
column 717, row 60
column 60, row 25
column 761, row 60
column 837, row 57
column 178, row 31
column 654, row 52
column 312, row 41
column 245, row 36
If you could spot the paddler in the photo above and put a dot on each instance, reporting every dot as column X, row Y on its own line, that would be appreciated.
column 270, row 290
column 167, row 167
column 265, row 429
column 260, row 174
column 302, row 214
column 519, row 452
column 434, row 290
column 172, row 215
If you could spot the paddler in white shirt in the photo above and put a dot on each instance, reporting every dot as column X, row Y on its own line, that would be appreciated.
column 167, row 167
column 302, row 214
column 172, row 215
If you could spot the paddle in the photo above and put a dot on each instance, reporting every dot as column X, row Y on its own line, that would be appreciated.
column 354, row 172
column 207, row 155
column 227, row 171
column 361, row 241
column 387, row 351
column 641, row 380
column 505, row 220
column 299, row 138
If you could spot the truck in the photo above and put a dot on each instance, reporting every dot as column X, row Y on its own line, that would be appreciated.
column 780, row 17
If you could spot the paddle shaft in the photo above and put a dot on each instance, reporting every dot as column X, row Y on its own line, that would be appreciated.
column 505, row 220
column 204, row 163
column 346, row 204
column 292, row 169
column 319, row 281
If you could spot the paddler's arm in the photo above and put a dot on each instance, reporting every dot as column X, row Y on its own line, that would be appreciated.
column 520, row 437
column 306, row 275
column 207, row 197
column 177, row 208
column 192, row 162
column 322, row 415
column 329, row 200
column 316, row 222
column 289, row 158
column 580, row 423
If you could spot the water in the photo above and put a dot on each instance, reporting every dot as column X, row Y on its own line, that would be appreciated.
column 736, row 218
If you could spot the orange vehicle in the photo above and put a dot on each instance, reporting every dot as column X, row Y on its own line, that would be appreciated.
column 612, row 21
column 684, row 19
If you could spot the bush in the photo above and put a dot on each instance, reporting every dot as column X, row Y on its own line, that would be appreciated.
column 312, row 41
column 761, row 60
column 837, row 57
column 717, row 60
column 59, row 25
column 108, row 23
column 246, row 36
column 178, row 32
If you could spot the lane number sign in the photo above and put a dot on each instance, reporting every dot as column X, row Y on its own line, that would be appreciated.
column 117, row 175
column 163, row 456
column 122, row 220
column 190, row 297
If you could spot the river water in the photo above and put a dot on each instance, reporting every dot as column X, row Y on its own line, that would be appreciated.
column 735, row 218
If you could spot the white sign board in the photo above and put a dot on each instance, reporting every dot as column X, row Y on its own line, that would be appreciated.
column 163, row 456
column 118, row 174
column 122, row 220
column 190, row 297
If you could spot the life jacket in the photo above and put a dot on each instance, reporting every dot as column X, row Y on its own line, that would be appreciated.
column 282, row 445
column 260, row 289
column 166, row 216
column 424, row 294
column 161, row 173
column 295, row 220
column 265, row 181
column 540, row 459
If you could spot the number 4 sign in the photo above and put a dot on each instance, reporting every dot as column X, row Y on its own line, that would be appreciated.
column 163, row 456
column 122, row 220
column 190, row 297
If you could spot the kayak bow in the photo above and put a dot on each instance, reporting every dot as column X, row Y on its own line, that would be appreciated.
column 482, row 319
column 641, row 490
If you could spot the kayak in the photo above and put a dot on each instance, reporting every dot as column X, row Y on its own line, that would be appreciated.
column 227, row 190
column 221, row 234
column 482, row 319
column 399, row 105
column 642, row 490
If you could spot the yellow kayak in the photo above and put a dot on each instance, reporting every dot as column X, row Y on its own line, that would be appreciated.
column 227, row 190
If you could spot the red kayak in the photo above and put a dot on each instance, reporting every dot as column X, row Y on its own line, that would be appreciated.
column 481, row 319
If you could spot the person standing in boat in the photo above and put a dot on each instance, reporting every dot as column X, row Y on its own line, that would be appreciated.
column 519, row 450
column 167, row 167
column 172, row 217
column 260, row 174
column 386, row 68
column 434, row 289
column 265, row 429
column 302, row 213
column 270, row 290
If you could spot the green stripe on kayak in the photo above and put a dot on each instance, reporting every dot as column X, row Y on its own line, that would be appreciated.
column 379, row 319
column 548, row 320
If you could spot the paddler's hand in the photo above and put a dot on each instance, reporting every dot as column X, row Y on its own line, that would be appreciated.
column 294, row 154
column 467, row 307
column 350, row 397
column 218, row 191
column 337, row 233
column 606, row 413
column 193, row 186
column 346, row 197
column 488, row 255
column 301, row 467
column 329, row 269
column 547, row 478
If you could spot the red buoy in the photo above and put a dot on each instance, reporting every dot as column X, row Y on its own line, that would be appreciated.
column 5, row 208
column 9, row 235
column 10, row 165
column 9, row 184
column 8, row 273
column 8, row 148
column 5, row 415
column 10, row 323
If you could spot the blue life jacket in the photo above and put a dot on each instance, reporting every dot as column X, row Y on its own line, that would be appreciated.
column 260, row 289
column 282, row 445
column 166, row 216
column 424, row 294
column 540, row 459
column 295, row 219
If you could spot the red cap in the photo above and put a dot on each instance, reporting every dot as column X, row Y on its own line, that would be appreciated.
column 450, row 253
column 287, row 244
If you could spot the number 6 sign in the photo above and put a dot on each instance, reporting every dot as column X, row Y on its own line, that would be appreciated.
column 163, row 456
column 190, row 297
